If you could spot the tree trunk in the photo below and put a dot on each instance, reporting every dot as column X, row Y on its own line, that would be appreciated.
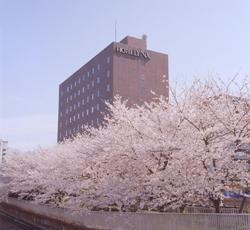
column 182, row 208
column 216, row 204
column 242, row 204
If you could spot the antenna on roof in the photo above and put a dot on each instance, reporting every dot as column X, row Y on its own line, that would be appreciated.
column 115, row 31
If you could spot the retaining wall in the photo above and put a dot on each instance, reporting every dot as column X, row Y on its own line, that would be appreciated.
column 41, row 216
column 56, row 218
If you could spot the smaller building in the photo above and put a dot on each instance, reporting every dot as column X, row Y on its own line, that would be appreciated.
column 3, row 149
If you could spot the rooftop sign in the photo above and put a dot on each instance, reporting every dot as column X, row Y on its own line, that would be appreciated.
column 133, row 52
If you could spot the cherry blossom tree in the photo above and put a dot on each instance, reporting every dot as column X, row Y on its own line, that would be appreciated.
column 161, row 155
column 219, row 119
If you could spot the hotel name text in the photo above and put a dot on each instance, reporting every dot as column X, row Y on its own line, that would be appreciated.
column 133, row 52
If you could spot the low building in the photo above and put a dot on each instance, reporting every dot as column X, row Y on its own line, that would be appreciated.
column 3, row 149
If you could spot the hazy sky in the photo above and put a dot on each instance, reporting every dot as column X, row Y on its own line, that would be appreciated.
column 42, row 42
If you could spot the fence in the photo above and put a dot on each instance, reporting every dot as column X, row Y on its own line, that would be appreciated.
column 211, row 210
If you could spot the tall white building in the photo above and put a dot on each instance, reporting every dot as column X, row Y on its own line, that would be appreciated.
column 3, row 149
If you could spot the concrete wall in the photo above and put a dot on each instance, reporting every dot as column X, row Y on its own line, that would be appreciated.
column 42, row 217
column 55, row 218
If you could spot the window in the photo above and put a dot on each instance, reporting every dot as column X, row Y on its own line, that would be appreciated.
column 97, row 107
column 74, row 94
column 70, row 120
column 78, row 115
column 61, row 93
column 74, row 117
column 69, row 131
column 93, row 83
column 82, row 113
column 87, row 99
column 98, row 93
column 88, row 74
column 78, row 103
column 67, row 99
column 70, row 108
column 83, row 77
column 67, row 111
column 108, row 60
column 98, row 67
column 74, row 106
column 79, row 80
column 71, row 97
column 92, row 123
column 61, row 114
column 71, row 86
column 66, row 133
column 88, row 86
column 75, row 83
column 108, row 73
column 82, row 89
column 92, row 109
column 108, row 88
column 93, row 70
column 67, row 88
column 83, row 101
column 92, row 96
column 79, row 92
column 98, row 80
column 87, row 112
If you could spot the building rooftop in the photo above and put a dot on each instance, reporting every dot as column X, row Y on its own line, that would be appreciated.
column 135, row 42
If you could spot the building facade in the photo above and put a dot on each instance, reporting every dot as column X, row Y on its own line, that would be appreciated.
column 3, row 149
column 124, row 68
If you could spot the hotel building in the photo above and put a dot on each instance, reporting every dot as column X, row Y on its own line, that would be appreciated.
column 126, row 68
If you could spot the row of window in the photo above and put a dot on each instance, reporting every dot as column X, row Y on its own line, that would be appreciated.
column 84, row 101
column 74, row 130
column 78, row 93
column 71, row 86
column 80, row 115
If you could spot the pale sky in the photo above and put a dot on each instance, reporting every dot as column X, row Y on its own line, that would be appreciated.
column 42, row 42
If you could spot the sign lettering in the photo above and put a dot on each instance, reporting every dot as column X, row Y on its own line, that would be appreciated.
column 133, row 52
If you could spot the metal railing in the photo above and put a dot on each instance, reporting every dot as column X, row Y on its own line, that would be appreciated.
column 209, row 222
column 212, row 210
